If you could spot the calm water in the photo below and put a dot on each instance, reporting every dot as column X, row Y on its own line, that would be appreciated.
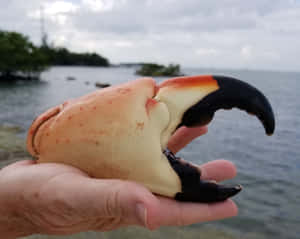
column 268, row 167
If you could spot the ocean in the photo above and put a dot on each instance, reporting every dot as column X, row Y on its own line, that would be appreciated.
column 268, row 167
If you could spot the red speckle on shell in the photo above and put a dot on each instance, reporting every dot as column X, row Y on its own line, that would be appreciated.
column 140, row 125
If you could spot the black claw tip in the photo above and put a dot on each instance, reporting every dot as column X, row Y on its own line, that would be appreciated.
column 208, row 192
column 232, row 93
column 193, row 188
column 225, row 192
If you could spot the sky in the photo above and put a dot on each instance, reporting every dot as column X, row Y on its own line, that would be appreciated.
column 234, row 34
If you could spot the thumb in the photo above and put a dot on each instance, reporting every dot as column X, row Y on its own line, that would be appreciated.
column 121, row 202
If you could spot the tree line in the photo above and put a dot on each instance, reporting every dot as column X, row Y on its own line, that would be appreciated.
column 21, row 59
column 153, row 69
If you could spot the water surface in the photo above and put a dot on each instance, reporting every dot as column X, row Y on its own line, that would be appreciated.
column 268, row 167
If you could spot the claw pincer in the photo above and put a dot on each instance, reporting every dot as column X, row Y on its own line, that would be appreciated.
column 122, row 131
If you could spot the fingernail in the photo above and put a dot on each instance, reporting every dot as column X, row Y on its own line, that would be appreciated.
column 141, row 214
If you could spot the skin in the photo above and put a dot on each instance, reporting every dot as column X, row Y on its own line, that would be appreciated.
column 59, row 200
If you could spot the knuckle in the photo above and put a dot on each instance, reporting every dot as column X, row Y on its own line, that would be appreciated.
column 113, row 203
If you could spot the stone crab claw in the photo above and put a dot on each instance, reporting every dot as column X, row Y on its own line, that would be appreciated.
column 122, row 132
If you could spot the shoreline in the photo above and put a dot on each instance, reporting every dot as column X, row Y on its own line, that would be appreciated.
column 12, row 147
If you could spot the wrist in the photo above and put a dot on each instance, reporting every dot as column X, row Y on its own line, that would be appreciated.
column 13, row 223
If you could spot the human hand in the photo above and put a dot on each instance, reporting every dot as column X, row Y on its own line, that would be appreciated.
column 60, row 199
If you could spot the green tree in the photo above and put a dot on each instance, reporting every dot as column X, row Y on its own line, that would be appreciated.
column 63, row 57
column 152, row 69
column 19, row 58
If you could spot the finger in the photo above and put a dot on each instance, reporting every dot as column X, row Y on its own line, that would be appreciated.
column 183, row 136
column 218, row 170
column 174, row 213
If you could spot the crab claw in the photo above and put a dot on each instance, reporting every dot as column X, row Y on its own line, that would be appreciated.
column 122, row 132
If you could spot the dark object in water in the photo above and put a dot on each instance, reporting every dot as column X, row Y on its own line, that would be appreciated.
column 71, row 78
column 102, row 85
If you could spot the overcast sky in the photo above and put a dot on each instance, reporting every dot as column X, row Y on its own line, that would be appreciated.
column 256, row 34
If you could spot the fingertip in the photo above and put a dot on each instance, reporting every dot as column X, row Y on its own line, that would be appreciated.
column 233, row 208
column 228, row 166
column 218, row 170
column 184, row 136
column 202, row 129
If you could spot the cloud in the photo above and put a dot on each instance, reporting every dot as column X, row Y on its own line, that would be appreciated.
column 231, row 33
column 247, row 52
column 207, row 52
column 60, row 7
column 54, row 11
column 102, row 5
